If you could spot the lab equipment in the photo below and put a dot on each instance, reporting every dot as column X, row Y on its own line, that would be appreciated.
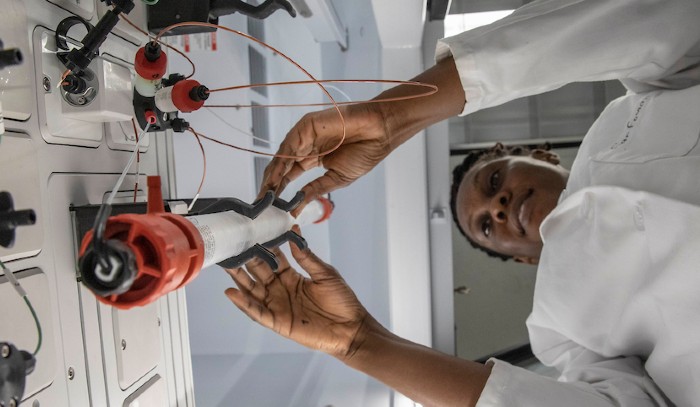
column 143, row 257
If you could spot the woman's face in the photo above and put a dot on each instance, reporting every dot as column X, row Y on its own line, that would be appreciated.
column 502, row 202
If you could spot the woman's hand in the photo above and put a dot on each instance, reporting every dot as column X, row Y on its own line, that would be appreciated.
column 372, row 131
column 366, row 144
column 320, row 312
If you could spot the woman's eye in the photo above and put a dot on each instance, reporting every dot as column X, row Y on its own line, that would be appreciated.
column 486, row 227
column 495, row 180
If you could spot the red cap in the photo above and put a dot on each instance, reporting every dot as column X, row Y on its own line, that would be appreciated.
column 147, row 69
column 168, row 249
column 181, row 96
column 327, row 208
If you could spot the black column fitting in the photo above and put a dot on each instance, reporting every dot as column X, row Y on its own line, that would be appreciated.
column 152, row 51
column 79, row 59
column 74, row 84
column 198, row 93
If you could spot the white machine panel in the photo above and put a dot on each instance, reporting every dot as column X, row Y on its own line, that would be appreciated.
column 150, row 394
column 17, row 325
column 79, row 120
column 19, row 175
column 16, row 80
column 113, row 100
column 137, row 342
column 55, row 128
column 120, row 136
column 83, row 8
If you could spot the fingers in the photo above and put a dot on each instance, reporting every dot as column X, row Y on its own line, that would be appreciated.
column 261, row 271
column 298, row 142
column 294, row 173
column 251, row 307
column 317, row 269
column 282, row 262
column 274, row 173
column 246, row 283
column 328, row 182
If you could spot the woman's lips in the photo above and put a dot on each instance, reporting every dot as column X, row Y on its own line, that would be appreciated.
column 524, row 211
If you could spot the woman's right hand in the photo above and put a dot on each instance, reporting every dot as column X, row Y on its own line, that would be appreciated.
column 366, row 144
column 372, row 131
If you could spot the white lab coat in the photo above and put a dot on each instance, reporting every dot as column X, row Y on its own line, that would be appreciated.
column 616, row 307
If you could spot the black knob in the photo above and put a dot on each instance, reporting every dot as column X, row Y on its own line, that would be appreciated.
column 200, row 92
column 152, row 51
column 9, row 57
column 74, row 84
column 10, row 219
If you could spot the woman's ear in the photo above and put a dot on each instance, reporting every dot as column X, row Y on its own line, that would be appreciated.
column 545, row 155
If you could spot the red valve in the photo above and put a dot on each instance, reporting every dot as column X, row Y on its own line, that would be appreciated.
column 150, row 116
column 168, row 249
column 150, row 63
column 189, row 95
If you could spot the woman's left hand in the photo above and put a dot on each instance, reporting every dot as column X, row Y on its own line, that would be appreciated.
column 320, row 312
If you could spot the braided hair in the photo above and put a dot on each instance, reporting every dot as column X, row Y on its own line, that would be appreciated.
column 472, row 158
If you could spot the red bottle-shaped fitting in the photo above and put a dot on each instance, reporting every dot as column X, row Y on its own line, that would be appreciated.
column 185, row 96
column 150, row 63
column 167, row 249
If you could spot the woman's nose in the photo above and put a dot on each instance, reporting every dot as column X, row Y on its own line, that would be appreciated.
column 499, row 204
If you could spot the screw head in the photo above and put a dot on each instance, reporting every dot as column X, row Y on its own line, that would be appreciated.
column 13, row 402
column 71, row 373
column 123, row 344
column 82, row 100
column 5, row 351
column 47, row 84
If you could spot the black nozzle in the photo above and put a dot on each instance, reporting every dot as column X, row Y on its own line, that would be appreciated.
column 10, row 57
column 179, row 125
column 13, row 219
column 10, row 219
column 74, row 84
column 78, row 59
column 152, row 51
column 198, row 93
column 116, row 277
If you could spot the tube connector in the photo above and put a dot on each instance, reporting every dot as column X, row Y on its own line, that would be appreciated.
column 150, row 62
column 199, row 93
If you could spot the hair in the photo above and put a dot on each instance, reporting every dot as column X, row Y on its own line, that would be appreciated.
column 472, row 158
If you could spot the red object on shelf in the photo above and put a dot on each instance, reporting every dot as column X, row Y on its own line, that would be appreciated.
column 169, row 250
